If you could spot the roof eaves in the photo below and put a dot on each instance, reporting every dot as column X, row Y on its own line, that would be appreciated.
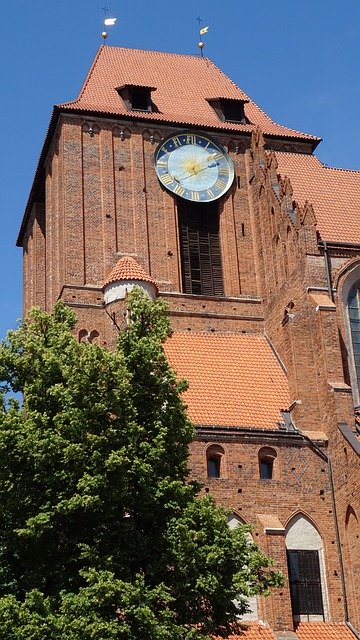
column 137, row 85
column 289, row 134
column 244, row 99
column 37, row 178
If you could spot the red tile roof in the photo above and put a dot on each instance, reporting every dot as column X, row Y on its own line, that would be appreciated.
column 334, row 193
column 324, row 631
column 128, row 269
column 234, row 380
column 254, row 631
column 184, row 84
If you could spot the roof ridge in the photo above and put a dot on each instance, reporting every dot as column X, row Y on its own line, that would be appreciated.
column 222, row 334
column 88, row 75
column 156, row 51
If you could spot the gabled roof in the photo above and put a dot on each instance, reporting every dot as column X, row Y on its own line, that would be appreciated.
column 324, row 630
column 234, row 380
column 334, row 193
column 184, row 84
column 128, row 269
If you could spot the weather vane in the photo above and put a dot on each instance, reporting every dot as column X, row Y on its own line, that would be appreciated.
column 202, row 30
column 108, row 22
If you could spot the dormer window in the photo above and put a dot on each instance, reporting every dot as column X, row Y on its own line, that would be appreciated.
column 137, row 97
column 229, row 109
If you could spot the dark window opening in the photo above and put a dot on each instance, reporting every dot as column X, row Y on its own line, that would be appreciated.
column 230, row 110
column 305, row 583
column 140, row 99
column 266, row 469
column 213, row 466
column 137, row 98
column 267, row 457
column 200, row 248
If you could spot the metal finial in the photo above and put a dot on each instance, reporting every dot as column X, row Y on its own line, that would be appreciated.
column 108, row 22
column 202, row 31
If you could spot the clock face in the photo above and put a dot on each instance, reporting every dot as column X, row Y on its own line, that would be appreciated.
column 194, row 167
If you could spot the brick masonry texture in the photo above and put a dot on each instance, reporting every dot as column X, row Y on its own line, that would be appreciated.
column 103, row 202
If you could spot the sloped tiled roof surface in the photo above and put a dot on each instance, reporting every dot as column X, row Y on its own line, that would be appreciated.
column 253, row 631
column 334, row 194
column 183, row 85
column 128, row 269
column 234, row 380
column 324, row 631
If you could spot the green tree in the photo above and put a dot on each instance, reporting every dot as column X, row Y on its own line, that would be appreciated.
column 101, row 537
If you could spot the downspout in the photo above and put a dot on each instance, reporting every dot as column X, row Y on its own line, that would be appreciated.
column 328, row 270
column 342, row 574
column 356, row 633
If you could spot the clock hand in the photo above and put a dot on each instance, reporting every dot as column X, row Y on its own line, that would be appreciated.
column 195, row 173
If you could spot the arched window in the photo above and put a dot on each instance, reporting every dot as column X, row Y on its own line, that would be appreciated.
column 88, row 336
column 214, row 461
column 352, row 532
column 351, row 309
column 353, row 305
column 267, row 456
column 306, row 570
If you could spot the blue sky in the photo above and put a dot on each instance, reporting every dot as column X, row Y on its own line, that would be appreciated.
column 298, row 60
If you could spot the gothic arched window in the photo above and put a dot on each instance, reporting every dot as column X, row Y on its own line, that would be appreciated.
column 353, row 305
column 305, row 554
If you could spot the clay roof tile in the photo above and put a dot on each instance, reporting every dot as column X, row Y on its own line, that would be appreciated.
column 253, row 631
column 334, row 194
column 195, row 77
column 128, row 269
column 234, row 379
column 321, row 630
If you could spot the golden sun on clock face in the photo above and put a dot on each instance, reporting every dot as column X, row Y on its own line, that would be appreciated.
column 194, row 167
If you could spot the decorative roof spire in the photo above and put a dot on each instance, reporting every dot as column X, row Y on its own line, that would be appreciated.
column 202, row 31
column 108, row 22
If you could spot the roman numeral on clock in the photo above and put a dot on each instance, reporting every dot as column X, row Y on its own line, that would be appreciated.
column 166, row 179
column 179, row 190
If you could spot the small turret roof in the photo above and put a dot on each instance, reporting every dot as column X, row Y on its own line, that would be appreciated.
column 128, row 269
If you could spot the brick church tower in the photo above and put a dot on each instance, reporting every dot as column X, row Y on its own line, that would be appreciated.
column 163, row 173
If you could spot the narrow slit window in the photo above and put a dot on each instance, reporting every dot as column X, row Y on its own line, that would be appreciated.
column 267, row 457
column 266, row 469
column 213, row 466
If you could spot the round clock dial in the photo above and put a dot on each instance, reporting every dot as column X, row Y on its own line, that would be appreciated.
column 194, row 167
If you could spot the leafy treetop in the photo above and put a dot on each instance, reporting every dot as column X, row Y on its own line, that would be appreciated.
column 101, row 536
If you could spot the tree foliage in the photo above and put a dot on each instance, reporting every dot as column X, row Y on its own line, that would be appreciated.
column 101, row 537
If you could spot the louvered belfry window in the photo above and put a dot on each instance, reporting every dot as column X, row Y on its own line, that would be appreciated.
column 305, row 583
column 200, row 248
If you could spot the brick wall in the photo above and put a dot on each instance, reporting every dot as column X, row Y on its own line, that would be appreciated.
column 103, row 201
